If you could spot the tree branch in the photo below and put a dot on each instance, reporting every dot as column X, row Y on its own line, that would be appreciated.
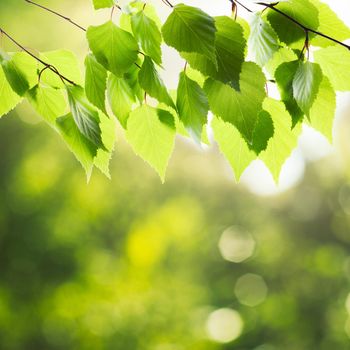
column 56, row 13
column 167, row 2
column 45, row 64
column 305, row 28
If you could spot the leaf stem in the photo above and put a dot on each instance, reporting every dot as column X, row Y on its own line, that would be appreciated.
column 47, row 65
column 56, row 13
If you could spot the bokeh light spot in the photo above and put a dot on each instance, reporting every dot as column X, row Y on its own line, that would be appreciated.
column 251, row 290
column 236, row 245
column 224, row 325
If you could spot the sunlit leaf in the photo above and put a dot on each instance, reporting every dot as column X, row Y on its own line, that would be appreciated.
column 95, row 82
column 241, row 108
column 192, row 105
column 189, row 29
column 151, row 139
column 113, row 47
column 149, row 36
column 85, row 115
column 47, row 101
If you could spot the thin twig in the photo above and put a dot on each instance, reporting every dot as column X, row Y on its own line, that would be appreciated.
column 306, row 29
column 47, row 65
column 240, row 4
column 56, row 13
column 168, row 3
column 302, row 26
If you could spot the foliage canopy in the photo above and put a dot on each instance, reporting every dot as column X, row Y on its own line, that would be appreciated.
column 229, row 66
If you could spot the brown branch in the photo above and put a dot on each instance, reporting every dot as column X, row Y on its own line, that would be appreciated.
column 167, row 2
column 306, row 29
column 296, row 22
column 45, row 64
column 56, row 13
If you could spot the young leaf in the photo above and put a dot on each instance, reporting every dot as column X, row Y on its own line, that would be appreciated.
column 47, row 101
column 284, row 140
column 132, row 78
column 302, row 11
column 103, row 156
column 113, row 47
column 229, row 48
column 121, row 98
column 152, row 83
column 263, row 41
column 241, row 108
column 329, row 24
column 95, row 82
column 233, row 146
column 85, row 115
column 148, row 35
column 335, row 64
column 322, row 112
column 66, row 62
column 28, row 65
column 284, row 76
column 14, row 75
column 283, row 55
column 8, row 98
column 150, row 138
column 83, row 149
column 99, row 4
column 192, row 105
column 189, row 29
column 306, row 84
column 263, row 132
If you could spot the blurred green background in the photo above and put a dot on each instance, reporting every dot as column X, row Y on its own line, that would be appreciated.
column 198, row 263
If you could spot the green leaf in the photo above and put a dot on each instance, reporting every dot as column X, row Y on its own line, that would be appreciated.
column 85, row 115
column 322, row 112
column 148, row 35
column 99, row 4
column 121, row 98
column 329, row 24
column 306, row 84
column 83, row 149
column 263, row 132
column 284, row 76
column 284, row 140
column 132, row 78
column 95, row 82
column 108, row 134
column 14, row 75
column 47, row 101
column 66, row 63
column 302, row 11
column 28, row 65
column 229, row 48
column 263, row 41
column 283, row 55
column 335, row 64
column 8, row 98
column 114, row 48
column 192, row 105
column 240, row 108
column 233, row 146
column 189, row 29
column 150, row 138
column 152, row 83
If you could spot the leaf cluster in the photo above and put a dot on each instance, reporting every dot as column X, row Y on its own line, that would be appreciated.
column 229, row 67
